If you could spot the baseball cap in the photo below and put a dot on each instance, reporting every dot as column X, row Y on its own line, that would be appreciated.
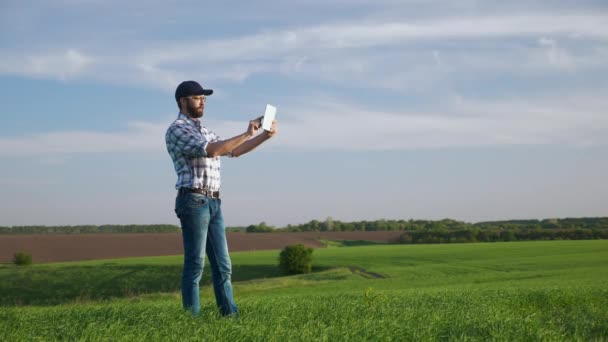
column 189, row 88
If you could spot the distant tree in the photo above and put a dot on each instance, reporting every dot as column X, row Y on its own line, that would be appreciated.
column 550, row 224
column 328, row 224
column 508, row 235
column 483, row 236
column 260, row 228
column 296, row 259
column 22, row 259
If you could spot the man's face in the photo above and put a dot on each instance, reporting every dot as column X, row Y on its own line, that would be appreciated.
column 195, row 105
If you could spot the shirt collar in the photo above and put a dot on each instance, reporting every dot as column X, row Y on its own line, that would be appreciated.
column 188, row 119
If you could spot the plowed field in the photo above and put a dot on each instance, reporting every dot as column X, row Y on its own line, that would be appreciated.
column 73, row 247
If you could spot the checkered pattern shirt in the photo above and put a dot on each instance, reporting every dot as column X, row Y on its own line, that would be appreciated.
column 187, row 142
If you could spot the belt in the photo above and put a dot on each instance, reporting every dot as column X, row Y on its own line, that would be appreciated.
column 204, row 192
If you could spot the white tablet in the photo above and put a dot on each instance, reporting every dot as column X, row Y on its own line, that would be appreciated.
column 269, row 115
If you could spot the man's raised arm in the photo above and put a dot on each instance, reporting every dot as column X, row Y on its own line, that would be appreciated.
column 223, row 147
column 251, row 144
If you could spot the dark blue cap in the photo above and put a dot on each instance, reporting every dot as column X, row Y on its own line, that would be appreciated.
column 189, row 88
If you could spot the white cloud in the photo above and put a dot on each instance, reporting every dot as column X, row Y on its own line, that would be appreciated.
column 364, row 34
column 142, row 137
column 575, row 120
column 62, row 65
column 339, row 52
column 400, row 55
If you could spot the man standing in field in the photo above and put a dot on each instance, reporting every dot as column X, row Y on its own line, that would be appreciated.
column 196, row 152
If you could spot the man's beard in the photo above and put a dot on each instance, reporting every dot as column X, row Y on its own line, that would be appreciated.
column 195, row 112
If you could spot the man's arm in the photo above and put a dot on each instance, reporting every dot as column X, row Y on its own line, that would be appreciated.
column 223, row 147
column 251, row 144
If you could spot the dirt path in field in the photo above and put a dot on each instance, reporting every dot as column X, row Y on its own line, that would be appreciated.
column 73, row 247
column 365, row 273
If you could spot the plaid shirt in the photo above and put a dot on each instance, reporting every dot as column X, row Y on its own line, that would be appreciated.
column 187, row 142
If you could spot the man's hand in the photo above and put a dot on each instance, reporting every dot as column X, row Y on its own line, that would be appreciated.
column 253, row 127
column 251, row 144
column 273, row 129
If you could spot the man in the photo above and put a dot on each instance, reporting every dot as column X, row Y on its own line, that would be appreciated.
column 195, row 151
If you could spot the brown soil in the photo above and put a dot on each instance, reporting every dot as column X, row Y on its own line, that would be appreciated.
column 72, row 247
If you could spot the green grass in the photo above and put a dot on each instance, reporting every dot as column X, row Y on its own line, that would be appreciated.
column 553, row 290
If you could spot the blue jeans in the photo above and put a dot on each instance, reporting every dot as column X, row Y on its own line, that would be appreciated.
column 203, row 230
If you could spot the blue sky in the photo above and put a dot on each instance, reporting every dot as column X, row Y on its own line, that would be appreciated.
column 471, row 110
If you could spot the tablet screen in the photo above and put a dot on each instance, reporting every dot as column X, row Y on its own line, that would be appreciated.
column 269, row 115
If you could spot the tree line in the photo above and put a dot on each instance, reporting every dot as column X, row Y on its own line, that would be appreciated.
column 414, row 231
column 439, row 225
column 452, row 231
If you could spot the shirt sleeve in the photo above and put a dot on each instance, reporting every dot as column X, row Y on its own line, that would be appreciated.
column 187, row 141
column 214, row 137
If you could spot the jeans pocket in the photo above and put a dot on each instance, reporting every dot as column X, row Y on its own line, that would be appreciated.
column 196, row 200
column 188, row 203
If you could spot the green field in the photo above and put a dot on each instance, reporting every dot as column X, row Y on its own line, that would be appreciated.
column 553, row 290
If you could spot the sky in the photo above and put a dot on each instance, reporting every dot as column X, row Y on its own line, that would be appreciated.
column 411, row 109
